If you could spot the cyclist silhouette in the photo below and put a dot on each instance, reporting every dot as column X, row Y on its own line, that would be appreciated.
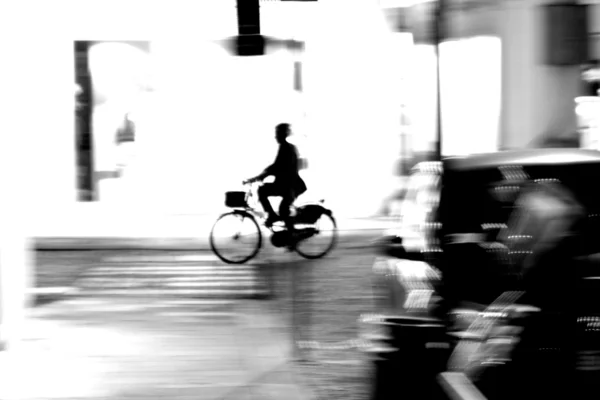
column 288, row 184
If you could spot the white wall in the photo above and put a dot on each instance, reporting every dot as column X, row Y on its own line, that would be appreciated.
column 26, row 149
column 366, row 125
column 44, row 108
column 42, row 42
column 354, row 89
column 536, row 99
column 471, row 82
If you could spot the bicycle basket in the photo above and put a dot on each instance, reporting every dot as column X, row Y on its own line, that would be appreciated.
column 235, row 199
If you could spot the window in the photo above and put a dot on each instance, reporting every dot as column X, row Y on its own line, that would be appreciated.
column 471, row 91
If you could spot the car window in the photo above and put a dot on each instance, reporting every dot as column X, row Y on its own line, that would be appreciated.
column 470, row 201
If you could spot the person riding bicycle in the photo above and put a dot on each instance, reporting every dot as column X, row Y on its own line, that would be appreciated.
column 288, row 184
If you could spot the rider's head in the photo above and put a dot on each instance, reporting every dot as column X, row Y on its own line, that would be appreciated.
column 282, row 131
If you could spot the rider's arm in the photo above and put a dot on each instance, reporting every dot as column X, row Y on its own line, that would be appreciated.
column 261, row 176
column 271, row 169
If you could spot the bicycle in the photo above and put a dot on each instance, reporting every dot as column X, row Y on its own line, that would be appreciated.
column 308, row 219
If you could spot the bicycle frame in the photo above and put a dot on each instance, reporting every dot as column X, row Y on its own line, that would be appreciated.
column 253, row 204
column 255, row 208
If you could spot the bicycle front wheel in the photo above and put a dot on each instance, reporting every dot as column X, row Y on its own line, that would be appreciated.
column 236, row 237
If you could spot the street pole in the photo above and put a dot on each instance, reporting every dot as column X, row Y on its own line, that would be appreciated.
column 249, row 41
column 86, row 179
column 439, row 31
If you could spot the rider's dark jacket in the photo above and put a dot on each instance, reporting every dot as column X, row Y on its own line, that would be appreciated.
column 286, row 168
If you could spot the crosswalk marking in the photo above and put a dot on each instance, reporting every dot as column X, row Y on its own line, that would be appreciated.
column 196, row 258
column 193, row 303
column 183, row 281
column 174, row 288
column 103, row 303
column 197, row 314
column 162, row 258
column 202, row 272
column 49, row 290
column 199, row 276
column 122, row 307
column 249, row 277
column 210, row 284
column 171, row 267
column 203, row 279
column 87, row 302
column 180, row 292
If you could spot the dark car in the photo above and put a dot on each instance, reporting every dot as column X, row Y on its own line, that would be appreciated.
column 490, row 286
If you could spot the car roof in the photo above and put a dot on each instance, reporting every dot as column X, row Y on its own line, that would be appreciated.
column 528, row 157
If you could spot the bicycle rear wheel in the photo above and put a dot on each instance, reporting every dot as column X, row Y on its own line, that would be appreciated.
column 236, row 237
column 318, row 239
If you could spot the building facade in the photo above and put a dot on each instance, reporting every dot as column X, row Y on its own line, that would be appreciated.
column 207, row 122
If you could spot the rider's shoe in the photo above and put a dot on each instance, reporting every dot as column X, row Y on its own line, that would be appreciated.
column 271, row 220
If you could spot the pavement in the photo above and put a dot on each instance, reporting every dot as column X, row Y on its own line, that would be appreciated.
column 94, row 346
column 120, row 231
column 149, row 348
column 98, row 345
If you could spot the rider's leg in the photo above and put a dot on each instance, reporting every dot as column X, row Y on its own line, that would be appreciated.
column 264, row 192
column 284, row 211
